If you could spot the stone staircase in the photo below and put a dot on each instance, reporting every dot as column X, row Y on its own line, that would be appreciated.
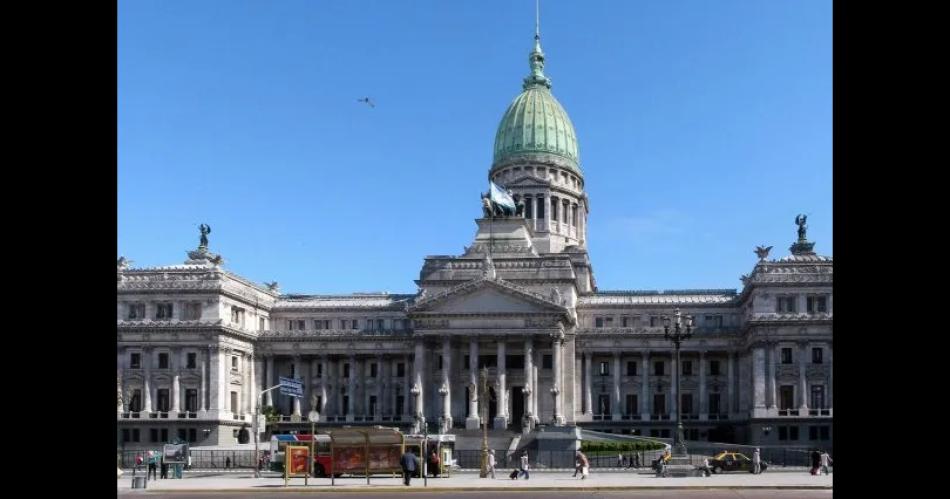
column 472, row 439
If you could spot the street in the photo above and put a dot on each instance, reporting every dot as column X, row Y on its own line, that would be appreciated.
column 514, row 494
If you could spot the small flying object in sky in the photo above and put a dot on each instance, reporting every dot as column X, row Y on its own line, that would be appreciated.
column 367, row 101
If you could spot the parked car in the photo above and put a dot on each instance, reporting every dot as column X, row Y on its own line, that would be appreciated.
column 733, row 461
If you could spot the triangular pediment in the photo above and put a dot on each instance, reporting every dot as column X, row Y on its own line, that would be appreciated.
column 488, row 296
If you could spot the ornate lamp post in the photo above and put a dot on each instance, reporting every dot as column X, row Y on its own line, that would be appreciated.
column 554, row 393
column 416, row 392
column 528, row 418
column 443, row 420
column 677, row 335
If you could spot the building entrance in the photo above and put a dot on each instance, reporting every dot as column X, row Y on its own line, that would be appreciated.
column 517, row 406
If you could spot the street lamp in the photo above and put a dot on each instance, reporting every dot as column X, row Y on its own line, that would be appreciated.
column 483, row 402
column 677, row 335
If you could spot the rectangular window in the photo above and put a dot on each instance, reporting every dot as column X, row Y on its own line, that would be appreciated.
column 380, row 324
column 372, row 370
column 261, row 324
column 624, row 321
column 631, row 404
column 234, row 402
column 608, row 322
column 182, row 434
column 514, row 361
column 192, row 434
column 713, row 403
column 237, row 316
column 785, row 304
column 318, row 325
column 554, row 204
column 164, row 435
column 136, row 404
column 713, row 321
column 440, row 361
column 714, row 367
column 163, row 400
column 400, row 402
column 816, row 304
column 163, row 361
column 604, row 368
column 290, row 325
column 401, row 370
column 786, row 397
column 136, row 311
column 135, row 434
column 356, row 324
column 659, row 403
column 631, row 368
column 192, row 311
column 783, row 433
column 319, row 369
column 528, row 208
column 603, row 403
column 816, row 355
column 658, row 368
column 126, row 435
column 687, row 400
column 465, row 364
column 812, row 433
column 163, row 311
column 372, row 406
column 654, row 321
column 547, row 361
column 191, row 360
column 135, row 361
column 793, row 433
column 153, row 435
column 344, row 324
column 824, row 432
column 191, row 400
column 786, row 356
column 293, row 370
column 346, row 370
column 234, row 363
column 370, row 325
column 540, row 205
column 599, row 322
column 817, row 397
column 687, row 368
column 301, row 325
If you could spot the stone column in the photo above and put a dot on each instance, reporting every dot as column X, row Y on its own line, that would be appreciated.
column 351, row 390
column 393, row 386
column 252, row 384
column 558, row 387
column 831, row 380
column 324, row 383
column 408, row 379
column 531, row 380
column 759, row 407
column 588, row 373
column 535, row 391
column 381, row 379
column 501, row 417
column 224, row 376
column 120, row 380
column 176, row 382
column 774, row 355
column 616, row 412
column 147, row 383
column 731, row 405
column 472, row 421
column 203, row 389
column 703, row 402
column 417, row 366
column 270, row 381
column 802, row 380
column 338, row 388
column 446, row 420
column 645, row 387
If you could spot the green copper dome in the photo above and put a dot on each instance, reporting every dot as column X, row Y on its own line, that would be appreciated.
column 535, row 122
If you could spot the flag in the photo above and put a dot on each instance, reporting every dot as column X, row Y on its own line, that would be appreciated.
column 501, row 197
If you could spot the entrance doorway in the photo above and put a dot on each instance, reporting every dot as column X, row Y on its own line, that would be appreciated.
column 517, row 406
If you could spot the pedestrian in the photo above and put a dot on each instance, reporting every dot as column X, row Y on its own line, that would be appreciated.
column 188, row 464
column 491, row 463
column 164, row 469
column 524, row 465
column 825, row 462
column 578, row 467
column 585, row 464
column 756, row 461
column 705, row 467
column 434, row 463
column 227, row 462
column 409, row 463
column 138, row 462
column 815, row 461
column 636, row 460
column 620, row 460
column 152, row 467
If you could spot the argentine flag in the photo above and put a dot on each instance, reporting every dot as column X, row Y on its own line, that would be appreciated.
column 500, row 197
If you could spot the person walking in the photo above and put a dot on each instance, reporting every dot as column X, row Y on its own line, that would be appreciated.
column 825, row 462
column 620, row 460
column 152, row 467
column 524, row 465
column 705, row 467
column 491, row 463
column 409, row 463
column 585, row 465
column 756, row 461
column 227, row 462
column 164, row 469
column 636, row 460
column 578, row 466
column 815, row 461
column 434, row 464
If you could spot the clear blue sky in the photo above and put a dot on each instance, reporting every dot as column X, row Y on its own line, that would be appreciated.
column 704, row 128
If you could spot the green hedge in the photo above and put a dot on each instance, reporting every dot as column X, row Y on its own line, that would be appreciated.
column 640, row 445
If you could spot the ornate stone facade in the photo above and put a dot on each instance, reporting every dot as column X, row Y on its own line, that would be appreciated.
column 197, row 344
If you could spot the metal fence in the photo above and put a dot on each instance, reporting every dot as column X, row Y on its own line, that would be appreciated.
column 540, row 460
column 201, row 459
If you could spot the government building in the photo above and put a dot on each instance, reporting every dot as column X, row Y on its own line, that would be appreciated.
column 197, row 344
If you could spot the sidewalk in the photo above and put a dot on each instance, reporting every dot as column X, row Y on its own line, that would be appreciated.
column 542, row 480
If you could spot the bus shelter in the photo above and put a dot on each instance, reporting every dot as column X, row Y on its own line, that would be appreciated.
column 364, row 451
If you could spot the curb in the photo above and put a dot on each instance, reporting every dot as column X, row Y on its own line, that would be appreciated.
column 389, row 489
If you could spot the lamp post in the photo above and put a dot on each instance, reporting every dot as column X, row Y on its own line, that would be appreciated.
column 677, row 335
column 416, row 392
column 314, row 417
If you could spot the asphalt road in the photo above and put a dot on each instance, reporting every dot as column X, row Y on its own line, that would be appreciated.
column 526, row 494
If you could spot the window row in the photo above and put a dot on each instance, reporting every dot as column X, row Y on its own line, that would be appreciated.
column 353, row 324
column 159, row 435
column 632, row 406
column 191, row 360
column 822, row 432
column 787, row 397
column 814, row 304
column 659, row 368
column 607, row 321
column 163, row 400
column 817, row 355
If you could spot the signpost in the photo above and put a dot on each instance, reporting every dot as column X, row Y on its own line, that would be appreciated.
column 288, row 386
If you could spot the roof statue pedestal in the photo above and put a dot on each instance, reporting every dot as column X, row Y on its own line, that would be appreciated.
column 507, row 236
column 802, row 247
column 202, row 256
